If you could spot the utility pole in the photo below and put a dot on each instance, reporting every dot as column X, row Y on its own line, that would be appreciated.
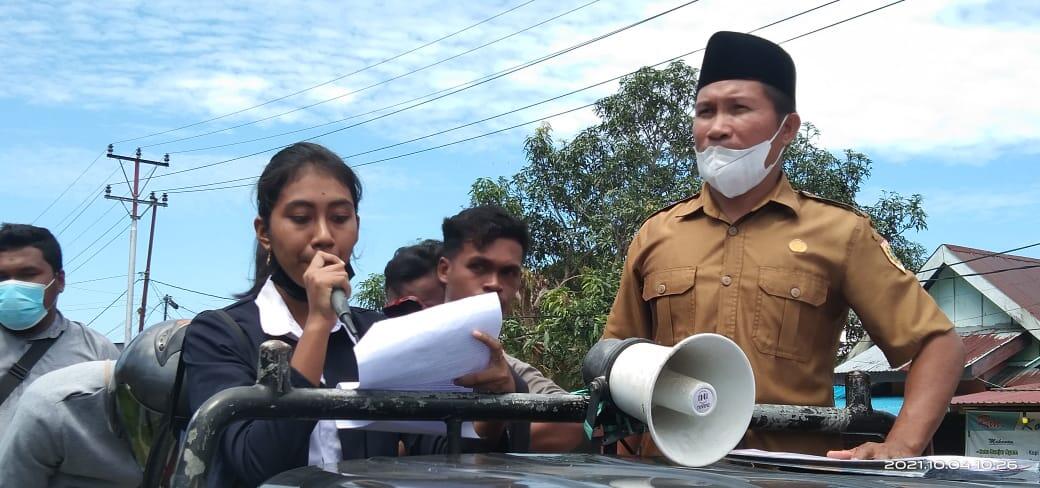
column 148, row 262
column 134, row 200
column 167, row 303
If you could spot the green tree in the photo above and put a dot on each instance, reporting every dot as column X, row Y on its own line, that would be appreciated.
column 370, row 293
column 584, row 200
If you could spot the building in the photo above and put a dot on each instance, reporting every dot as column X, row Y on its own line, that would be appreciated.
column 993, row 299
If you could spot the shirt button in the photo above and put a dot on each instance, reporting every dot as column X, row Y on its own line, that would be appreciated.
column 661, row 289
column 732, row 231
column 727, row 280
column 795, row 292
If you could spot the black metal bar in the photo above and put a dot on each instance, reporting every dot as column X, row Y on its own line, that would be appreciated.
column 272, row 397
column 138, row 200
column 262, row 402
column 132, row 159
column 454, row 433
column 857, row 391
column 857, row 417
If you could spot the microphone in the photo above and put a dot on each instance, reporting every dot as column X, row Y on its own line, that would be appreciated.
column 342, row 309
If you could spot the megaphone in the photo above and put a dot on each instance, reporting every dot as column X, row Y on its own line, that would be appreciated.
column 696, row 398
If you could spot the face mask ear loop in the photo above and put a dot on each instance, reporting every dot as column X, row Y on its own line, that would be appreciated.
column 775, row 134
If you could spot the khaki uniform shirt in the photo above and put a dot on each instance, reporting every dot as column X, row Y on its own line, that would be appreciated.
column 779, row 283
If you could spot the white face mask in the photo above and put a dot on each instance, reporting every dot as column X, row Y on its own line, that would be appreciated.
column 733, row 172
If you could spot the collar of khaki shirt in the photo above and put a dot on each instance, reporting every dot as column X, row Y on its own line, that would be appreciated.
column 783, row 193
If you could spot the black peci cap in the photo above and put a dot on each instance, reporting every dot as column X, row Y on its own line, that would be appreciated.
column 739, row 56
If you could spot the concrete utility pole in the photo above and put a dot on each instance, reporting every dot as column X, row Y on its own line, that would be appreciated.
column 134, row 200
column 148, row 262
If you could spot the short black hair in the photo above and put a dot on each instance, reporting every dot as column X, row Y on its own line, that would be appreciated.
column 783, row 104
column 411, row 263
column 17, row 236
column 483, row 225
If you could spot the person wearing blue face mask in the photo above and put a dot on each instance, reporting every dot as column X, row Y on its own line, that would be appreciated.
column 35, row 338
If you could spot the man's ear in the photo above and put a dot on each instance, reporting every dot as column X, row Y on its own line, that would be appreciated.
column 792, row 125
column 262, row 235
column 59, row 281
column 443, row 265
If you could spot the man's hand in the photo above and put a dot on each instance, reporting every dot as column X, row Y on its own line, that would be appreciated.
column 497, row 377
column 874, row 450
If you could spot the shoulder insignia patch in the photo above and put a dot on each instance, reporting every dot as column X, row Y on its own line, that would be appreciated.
column 852, row 208
column 891, row 255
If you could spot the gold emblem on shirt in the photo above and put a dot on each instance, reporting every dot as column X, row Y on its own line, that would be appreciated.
column 798, row 246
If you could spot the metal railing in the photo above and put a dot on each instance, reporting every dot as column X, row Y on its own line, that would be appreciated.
column 273, row 397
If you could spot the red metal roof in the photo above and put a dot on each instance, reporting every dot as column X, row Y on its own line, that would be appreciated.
column 1026, row 377
column 1020, row 395
column 1020, row 285
column 977, row 346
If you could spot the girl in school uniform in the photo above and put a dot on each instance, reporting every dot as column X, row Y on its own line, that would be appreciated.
column 306, row 229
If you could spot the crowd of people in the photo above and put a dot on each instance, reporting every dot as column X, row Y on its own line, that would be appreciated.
column 747, row 257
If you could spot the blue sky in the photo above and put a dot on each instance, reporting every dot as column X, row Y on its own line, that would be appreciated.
column 941, row 95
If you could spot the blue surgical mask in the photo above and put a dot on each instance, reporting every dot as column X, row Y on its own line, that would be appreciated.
column 21, row 304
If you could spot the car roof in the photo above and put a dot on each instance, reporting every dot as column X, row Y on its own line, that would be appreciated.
column 582, row 470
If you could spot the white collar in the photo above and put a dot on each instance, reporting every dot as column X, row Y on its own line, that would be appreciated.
column 275, row 318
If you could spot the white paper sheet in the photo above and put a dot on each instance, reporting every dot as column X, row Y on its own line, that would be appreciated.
column 425, row 351
column 430, row 347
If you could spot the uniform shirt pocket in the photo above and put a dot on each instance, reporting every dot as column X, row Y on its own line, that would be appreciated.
column 787, row 312
column 670, row 296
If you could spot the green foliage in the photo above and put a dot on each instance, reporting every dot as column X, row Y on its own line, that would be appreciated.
column 585, row 199
column 370, row 293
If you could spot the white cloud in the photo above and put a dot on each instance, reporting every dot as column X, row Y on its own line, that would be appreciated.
column 919, row 77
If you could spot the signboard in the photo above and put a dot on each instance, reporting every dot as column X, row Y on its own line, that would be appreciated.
column 1014, row 435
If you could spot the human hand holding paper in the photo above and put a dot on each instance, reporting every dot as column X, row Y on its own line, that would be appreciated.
column 427, row 351
column 429, row 348
column 496, row 377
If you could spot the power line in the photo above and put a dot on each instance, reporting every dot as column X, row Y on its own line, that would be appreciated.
column 193, row 291
column 74, row 219
column 268, row 102
column 473, row 82
column 854, row 17
column 152, row 311
column 96, row 279
column 460, row 141
column 92, row 224
column 195, row 188
column 1017, row 268
column 66, row 190
column 380, row 83
column 92, row 256
column 199, row 188
column 99, row 237
column 988, row 255
column 105, row 310
column 488, row 79
column 475, row 137
column 84, row 201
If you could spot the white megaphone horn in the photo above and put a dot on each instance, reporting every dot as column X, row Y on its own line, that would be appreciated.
column 696, row 398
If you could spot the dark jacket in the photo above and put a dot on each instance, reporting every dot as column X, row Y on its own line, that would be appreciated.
column 252, row 451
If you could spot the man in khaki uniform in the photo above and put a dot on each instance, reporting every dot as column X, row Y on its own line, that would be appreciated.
column 777, row 270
